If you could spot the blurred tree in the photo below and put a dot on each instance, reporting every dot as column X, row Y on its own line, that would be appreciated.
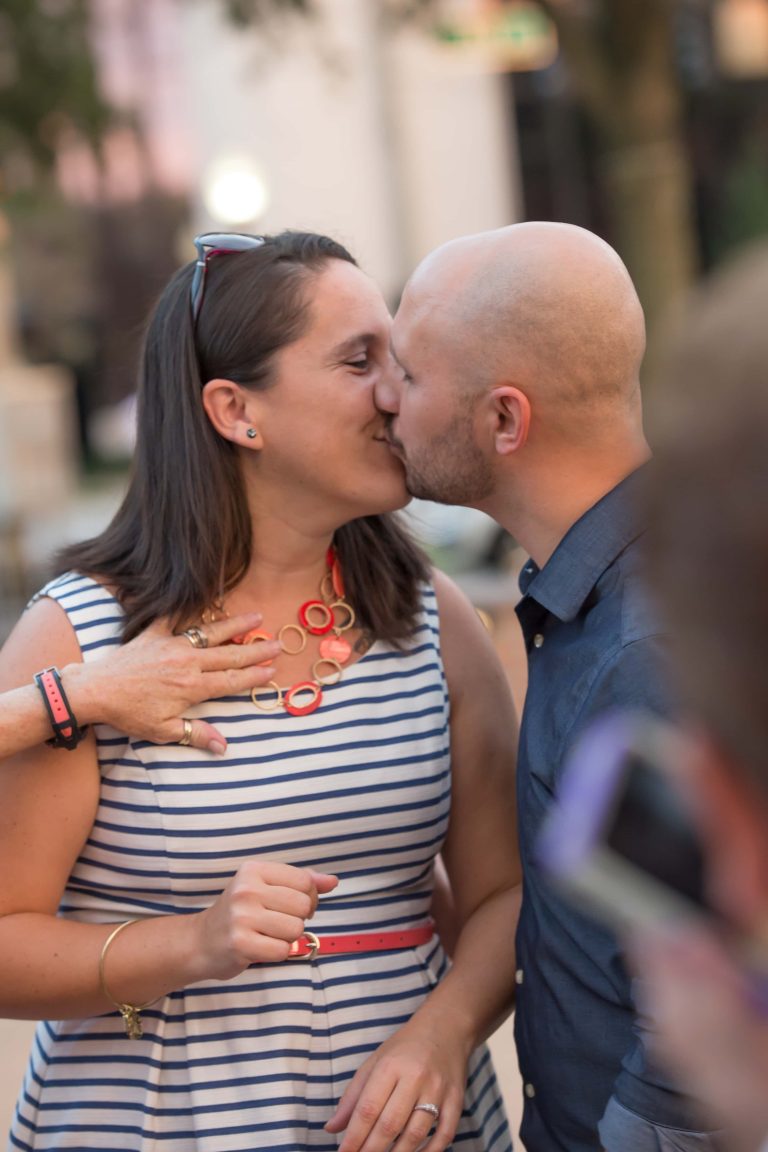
column 256, row 11
column 48, row 87
column 85, row 270
column 621, row 56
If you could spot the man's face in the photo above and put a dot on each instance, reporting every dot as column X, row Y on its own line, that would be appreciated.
column 432, row 409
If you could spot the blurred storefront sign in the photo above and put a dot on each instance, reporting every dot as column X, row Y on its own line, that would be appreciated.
column 741, row 38
column 510, row 35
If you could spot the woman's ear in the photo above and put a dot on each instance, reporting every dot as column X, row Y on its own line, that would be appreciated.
column 511, row 413
column 227, row 406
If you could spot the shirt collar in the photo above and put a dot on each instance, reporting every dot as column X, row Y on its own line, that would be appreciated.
column 588, row 548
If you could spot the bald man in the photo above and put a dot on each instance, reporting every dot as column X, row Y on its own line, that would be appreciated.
column 520, row 352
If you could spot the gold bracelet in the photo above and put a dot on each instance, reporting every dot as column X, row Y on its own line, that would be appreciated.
column 129, row 1012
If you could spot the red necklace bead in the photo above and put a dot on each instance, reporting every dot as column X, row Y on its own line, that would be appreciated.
column 326, row 617
column 335, row 648
column 303, row 709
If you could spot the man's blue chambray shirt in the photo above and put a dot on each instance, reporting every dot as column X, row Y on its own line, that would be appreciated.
column 592, row 644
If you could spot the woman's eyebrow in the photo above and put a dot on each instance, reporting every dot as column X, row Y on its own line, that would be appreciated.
column 352, row 344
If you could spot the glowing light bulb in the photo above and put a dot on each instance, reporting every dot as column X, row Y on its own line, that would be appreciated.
column 234, row 191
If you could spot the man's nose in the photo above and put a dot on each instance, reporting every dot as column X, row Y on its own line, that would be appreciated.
column 386, row 393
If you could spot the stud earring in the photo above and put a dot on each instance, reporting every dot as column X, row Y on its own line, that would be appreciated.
column 251, row 433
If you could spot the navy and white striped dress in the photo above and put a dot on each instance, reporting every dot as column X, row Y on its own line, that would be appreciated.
column 360, row 788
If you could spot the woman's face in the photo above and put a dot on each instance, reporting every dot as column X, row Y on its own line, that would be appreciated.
column 324, row 446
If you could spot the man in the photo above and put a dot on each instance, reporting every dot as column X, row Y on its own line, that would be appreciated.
column 520, row 351
column 709, row 569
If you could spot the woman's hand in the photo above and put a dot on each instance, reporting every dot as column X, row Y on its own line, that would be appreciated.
column 424, row 1062
column 146, row 686
column 257, row 917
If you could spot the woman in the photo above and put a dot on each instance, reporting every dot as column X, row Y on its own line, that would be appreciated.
column 177, row 889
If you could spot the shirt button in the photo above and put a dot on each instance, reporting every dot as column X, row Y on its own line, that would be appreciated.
column 519, row 976
column 530, row 1091
column 538, row 640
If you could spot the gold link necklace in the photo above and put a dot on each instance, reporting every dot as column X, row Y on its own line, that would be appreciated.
column 329, row 617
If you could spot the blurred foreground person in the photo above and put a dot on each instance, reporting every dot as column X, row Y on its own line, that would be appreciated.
column 519, row 395
column 143, row 687
column 709, row 498
column 164, row 893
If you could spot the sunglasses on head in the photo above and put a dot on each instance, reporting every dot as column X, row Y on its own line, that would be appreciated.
column 214, row 244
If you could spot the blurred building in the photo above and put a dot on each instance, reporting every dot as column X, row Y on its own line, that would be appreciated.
column 382, row 137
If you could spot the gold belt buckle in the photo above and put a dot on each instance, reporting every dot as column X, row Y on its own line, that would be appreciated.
column 314, row 944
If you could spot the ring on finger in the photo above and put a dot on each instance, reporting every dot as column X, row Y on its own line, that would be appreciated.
column 433, row 1110
column 187, row 737
column 196, row 637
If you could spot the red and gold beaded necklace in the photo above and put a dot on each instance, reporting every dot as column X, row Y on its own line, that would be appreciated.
column 329, row 617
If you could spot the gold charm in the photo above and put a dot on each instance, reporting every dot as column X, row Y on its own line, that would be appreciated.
column 132, row 1021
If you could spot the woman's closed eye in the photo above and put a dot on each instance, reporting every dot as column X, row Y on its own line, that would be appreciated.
column 361, row 363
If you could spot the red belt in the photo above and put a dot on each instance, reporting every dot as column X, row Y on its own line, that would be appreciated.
column 309, row 945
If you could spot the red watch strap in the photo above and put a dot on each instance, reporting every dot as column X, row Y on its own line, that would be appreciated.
column 59, row 710
column 66, row 733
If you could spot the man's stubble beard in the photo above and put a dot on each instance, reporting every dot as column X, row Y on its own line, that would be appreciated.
column 451, row 469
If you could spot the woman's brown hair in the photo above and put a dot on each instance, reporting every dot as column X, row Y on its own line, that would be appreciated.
column 182, row 536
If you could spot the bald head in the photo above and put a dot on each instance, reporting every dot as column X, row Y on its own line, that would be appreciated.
column 520, row 352
column 548, row 306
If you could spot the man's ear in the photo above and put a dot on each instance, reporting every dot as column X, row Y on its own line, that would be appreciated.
column 511, row 414
column 228, row 407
